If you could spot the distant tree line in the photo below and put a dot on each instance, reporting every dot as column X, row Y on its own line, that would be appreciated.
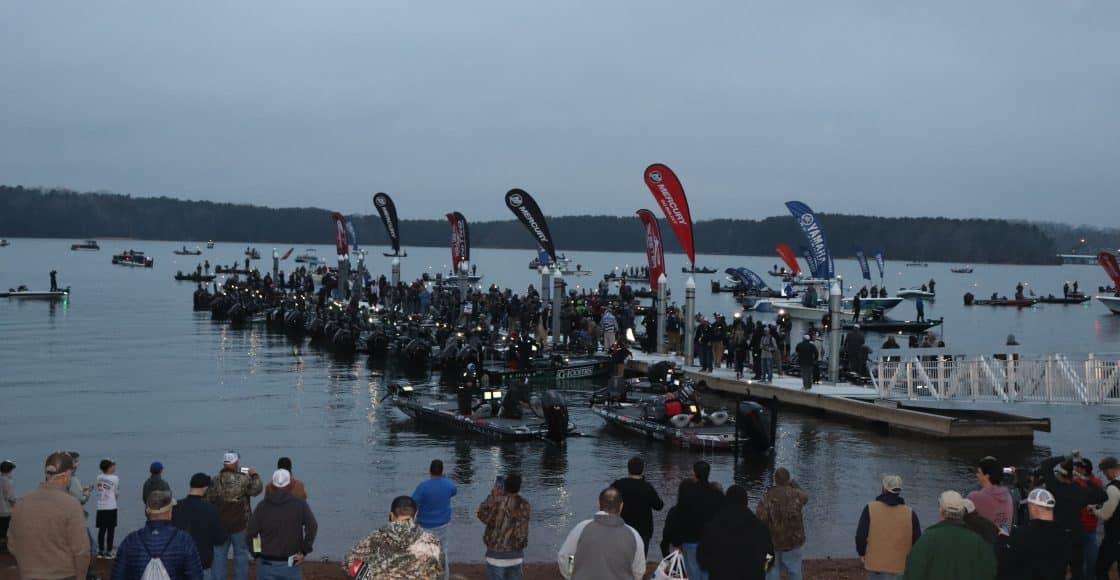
column 59, row 213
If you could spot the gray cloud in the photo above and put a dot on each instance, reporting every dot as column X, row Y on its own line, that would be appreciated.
column 992, row 109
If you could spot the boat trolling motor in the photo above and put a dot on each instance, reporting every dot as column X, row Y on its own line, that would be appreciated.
column 554, row 410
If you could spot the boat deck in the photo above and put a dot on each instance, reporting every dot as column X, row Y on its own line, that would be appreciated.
column 863, row 404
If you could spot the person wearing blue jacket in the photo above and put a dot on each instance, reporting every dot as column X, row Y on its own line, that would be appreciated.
column 158, row 539
column 433, row 499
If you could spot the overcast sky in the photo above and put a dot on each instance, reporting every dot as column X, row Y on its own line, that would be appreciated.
column 996, row 108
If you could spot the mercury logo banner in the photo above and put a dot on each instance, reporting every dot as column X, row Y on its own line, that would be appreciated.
column 388, row 212
column 1108, row 262
column 460, row 240
column 529, row 213
column 340, row 243
column 654, row 253
column 669, row 193
column 818, row 246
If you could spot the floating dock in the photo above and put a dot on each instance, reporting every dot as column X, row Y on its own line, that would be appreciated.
column 863, row 404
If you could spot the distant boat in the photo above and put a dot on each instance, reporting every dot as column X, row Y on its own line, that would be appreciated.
column 86, row 246
column 698, row 270
column 23, row 293
column 917, row 264
column 915, row 293
column 961, row 270
column 308, row 256
column 210, row 245
column 133, row 259
column 253, row 253
column 194, row 277
column 4, row 243
column 186, row 252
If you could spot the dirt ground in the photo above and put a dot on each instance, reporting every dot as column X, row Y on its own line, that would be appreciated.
column 813, row 570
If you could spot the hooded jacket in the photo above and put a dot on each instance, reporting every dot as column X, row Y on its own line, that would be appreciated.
column 994, row 504
column 507, row 525
column 639, row 500
column 697, row 504
column 285, row 524
column 602, row 548
column 886, row 554
column 780, row 509
column 735, row 545
column 399, row 551
column 948, row 549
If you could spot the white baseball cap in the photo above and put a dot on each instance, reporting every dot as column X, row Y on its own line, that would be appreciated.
column 230, row 458
column 1041, row 497
column 281, row 478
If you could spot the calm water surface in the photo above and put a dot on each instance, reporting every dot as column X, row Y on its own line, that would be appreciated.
column 127, row 370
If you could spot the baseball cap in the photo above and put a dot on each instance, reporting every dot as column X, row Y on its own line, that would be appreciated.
column 200, row 480
column 892, row 483
column 951, row 502
column 1041, row 497
column 281, row 478
column 156, row 467
column 230, row 458
column 158, row 502
column 1109, row 463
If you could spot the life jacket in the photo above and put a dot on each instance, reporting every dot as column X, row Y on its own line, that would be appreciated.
column 673, row 408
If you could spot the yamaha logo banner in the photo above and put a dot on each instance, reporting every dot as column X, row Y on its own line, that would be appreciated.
column 529, row 213
column 818, row 246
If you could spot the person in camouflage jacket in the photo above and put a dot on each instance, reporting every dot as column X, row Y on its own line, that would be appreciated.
column 506, row 515
column 781, row 510
column 230, row 491
column 402, row 550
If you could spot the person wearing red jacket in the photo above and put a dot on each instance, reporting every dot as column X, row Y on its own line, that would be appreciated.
column 1083, row 476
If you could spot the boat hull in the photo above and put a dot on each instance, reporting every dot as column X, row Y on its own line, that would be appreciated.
column 577, row 369
column 704, row 438
column 37, row 295
column 443, row 412
column 1110, row 302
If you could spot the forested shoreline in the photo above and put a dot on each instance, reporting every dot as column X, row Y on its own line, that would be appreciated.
column 60, row 213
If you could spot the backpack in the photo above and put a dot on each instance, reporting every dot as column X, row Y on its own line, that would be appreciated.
column 155, row 570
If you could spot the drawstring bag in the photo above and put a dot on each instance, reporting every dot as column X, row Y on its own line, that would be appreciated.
column 671, row 567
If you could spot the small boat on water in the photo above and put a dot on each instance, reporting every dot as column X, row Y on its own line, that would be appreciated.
column 185, row 252
column 882, row 324
column 915, row 293
column 427, row 403
column 1110, row 302
column 23, row 293
column 133, row 259
column 1068, row 299
column 86, row 246
column 550, row 370
column 4, row 243
column 753, row 427
column 230, row 270
column 210, row 245
column 961, row 270
column 194, row 277
column 917, row 264
column 699, row 270
column 1011, row 302
column 253, row 253
column 308, row 257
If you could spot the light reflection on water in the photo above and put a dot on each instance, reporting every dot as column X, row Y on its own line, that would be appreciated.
column 126, row 370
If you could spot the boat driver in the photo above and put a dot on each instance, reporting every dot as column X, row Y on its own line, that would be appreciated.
column 465, row 390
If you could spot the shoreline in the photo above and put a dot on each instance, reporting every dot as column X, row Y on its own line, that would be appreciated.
column 815, row 569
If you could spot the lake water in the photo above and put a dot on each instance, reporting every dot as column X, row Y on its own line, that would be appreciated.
column 126, row 370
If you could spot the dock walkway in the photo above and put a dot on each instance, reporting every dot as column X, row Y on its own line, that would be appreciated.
column 860, row 403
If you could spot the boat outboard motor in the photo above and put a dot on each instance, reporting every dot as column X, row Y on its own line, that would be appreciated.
column 555, row 411
column 657, row 371
column 756, row 423
column 968, row 298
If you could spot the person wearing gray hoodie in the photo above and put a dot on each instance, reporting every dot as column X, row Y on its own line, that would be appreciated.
column 603, row 547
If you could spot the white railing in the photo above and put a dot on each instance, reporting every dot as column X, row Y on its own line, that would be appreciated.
column 1008, row 378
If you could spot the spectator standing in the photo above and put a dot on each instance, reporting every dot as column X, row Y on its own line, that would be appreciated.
column 1038, row 550
column 992, row 500
column 948, row 549
column 108, row 490
column 230, row 491
column 287, row 530
column 781, row 510
column 82, row 494
column 433, row 502
column 1070, row 498
column 296, row 488
column 603, row 547
column 506, row 517
column 200, row 519
column 158, row 539
column 48, row 535
column 1083, row 476
column 736, row 544
column 639, row 500
column 7, row 501
column 698, row 500
column 401, row 550
column 807, row 361
column 1109, row 551
column 154, row 482
column 887, row 530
